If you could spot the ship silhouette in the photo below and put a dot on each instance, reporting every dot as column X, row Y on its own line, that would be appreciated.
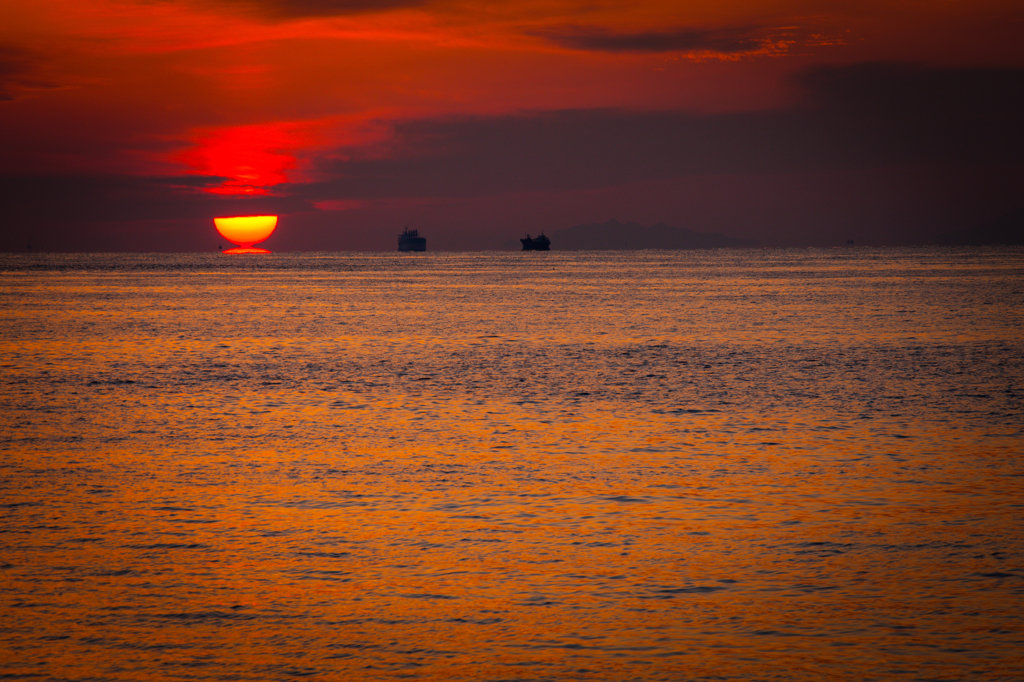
column 540, row 243
column 410, row 240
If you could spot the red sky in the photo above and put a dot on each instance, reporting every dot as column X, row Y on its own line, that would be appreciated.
column 130, row 124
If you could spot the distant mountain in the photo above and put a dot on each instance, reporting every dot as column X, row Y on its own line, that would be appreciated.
column 616, row 235
column 1009, row 229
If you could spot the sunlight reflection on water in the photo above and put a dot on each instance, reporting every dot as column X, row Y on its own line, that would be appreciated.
column 557, row 466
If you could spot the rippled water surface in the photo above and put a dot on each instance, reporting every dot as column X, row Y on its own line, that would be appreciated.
column 717, row 465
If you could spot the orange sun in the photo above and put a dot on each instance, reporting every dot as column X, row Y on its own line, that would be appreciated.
column 245, row 231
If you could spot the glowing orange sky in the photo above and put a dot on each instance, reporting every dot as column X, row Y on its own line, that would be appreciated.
column 248, row 96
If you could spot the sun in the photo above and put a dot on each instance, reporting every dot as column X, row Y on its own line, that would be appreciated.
column 245, row 231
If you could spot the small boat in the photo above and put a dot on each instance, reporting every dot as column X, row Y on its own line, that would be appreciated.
column 410, row 240
column 540, row 243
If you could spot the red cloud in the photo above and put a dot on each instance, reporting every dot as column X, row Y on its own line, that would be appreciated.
column 252, row 158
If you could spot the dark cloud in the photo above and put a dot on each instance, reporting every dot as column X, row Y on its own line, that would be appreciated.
column 723, row 41
column 121, row 212
column 16, row 68
column 965, row 115
column 944, row 146
column 297, row 9
column 13, row 61
column 852, row 117
column 900, row 89
column 562, row 150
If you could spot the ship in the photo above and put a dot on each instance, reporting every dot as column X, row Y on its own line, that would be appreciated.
column 410, row 240
column 540, row 243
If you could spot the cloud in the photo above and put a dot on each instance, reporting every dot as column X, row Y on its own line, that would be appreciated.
column 937, row 136
column 16, row 68
column 905, row 90
column 283, row 10
column 851, row 117
column 39, row 199
column 963, row 115
column 900, row 90
column 728, row 41
column 13, row 61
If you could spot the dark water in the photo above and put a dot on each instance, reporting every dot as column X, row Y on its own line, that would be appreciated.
column 717, row 465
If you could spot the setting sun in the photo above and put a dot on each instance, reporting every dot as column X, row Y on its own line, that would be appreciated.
column 246, row 231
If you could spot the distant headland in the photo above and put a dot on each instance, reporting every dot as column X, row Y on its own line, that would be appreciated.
column 627, row 236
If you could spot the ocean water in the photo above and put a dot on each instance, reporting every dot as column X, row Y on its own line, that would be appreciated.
column 710, row 465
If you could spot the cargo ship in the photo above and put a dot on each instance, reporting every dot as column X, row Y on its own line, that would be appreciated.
column 540, row 243
column 410, row 240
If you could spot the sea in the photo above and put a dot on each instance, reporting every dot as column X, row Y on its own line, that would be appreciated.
column 802, row 464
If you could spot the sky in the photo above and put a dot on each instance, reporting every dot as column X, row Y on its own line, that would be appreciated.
column 128, row 125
